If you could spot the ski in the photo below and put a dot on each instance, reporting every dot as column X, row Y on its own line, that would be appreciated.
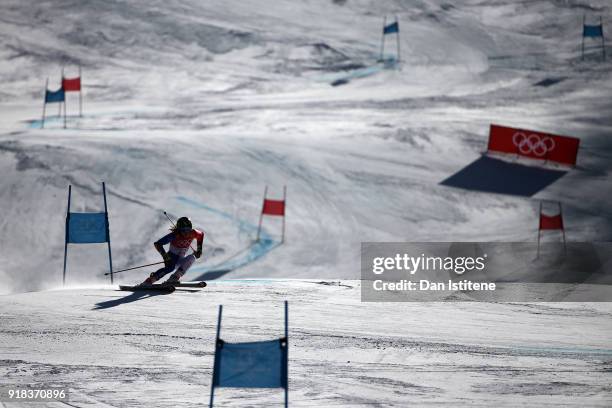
column 164, row 287
column 155, row 286
column 198, row 284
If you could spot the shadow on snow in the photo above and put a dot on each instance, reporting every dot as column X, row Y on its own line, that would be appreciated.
column 497, row 176
column 132, row 297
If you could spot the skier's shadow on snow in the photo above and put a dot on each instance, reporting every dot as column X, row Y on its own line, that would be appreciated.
column 499, row 176
column 132, row 297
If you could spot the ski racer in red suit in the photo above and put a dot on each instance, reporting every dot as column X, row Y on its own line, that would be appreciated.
column 179, row 238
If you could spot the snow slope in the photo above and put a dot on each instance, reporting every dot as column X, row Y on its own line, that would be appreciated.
column 194, row 107
column 234, row 100
column 128, row 350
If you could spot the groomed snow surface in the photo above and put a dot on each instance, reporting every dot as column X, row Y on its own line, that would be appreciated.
column 194, row 107
column 121, row 349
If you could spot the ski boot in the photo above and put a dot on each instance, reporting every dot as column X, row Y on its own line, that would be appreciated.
column 149, row 281
column 175, row 278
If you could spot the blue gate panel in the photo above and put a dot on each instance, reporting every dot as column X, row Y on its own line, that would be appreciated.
column 87, row 228
column 261, row 364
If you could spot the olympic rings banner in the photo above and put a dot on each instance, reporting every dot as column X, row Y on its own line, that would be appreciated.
column 535, row 145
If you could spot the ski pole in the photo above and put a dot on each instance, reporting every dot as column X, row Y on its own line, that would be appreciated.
column 135, row 267
column 172, row 222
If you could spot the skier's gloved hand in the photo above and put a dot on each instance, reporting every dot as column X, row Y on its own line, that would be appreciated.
column 198, row 253
column 167, row 258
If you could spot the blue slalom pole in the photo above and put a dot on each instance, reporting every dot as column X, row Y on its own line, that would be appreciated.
column 66, row 235
column 110, row 255
column 287, row 354
column 216, row 360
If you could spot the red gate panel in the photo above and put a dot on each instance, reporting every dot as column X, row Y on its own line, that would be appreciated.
column 535, row 145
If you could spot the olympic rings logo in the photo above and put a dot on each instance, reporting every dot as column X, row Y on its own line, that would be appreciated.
column 533, row 144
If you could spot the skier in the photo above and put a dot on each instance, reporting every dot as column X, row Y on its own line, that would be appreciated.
column 179, row 238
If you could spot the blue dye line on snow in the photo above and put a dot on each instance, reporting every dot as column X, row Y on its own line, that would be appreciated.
column 37, row 123
column 233, row 282
column 387, row 63
column 364, row 72
column 566, row 350
column 254, row 252
column 243, row 225
column 53, row 119
column 359, row 73
column 245, row 257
